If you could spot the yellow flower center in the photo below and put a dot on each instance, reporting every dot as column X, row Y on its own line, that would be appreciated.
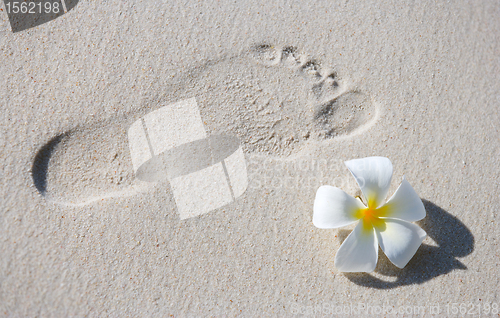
column 371, row 218
column 369, row 213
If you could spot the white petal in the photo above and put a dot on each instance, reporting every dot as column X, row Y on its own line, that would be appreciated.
column 405, row 204
column 359, row 252
column 334, row 208
column 399, row 240
column 373, row 174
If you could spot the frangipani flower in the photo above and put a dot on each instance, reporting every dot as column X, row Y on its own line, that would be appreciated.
column 387, row 225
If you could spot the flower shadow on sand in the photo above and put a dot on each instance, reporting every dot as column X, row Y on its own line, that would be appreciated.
column 453, row 239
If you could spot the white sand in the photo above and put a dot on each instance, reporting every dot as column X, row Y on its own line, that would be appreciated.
column 418, row 83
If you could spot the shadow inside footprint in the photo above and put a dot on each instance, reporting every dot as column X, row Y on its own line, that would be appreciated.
column 40, row 165
column 84, row 164
column 453, row 238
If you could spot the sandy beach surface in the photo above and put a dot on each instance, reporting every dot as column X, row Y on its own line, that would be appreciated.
column 303, row 86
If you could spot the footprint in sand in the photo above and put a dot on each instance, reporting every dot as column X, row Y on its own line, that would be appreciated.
column 274, row 99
